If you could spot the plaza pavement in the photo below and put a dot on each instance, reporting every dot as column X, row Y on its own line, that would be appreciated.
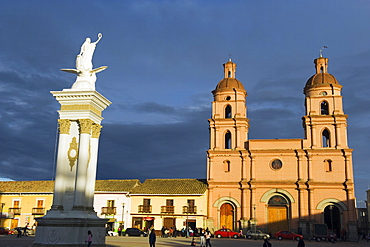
column 13, row 241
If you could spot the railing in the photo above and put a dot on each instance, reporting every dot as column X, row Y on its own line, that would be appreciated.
column 145, row 209
column 167, row 209
column 15, row 211
column 108, row 210
column 38, row 211
column 189, row 210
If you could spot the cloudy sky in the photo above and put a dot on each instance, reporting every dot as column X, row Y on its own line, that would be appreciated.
column 165, row 58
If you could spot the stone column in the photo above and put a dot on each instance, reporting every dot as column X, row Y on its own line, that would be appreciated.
column 337, row 134
column 91, row 169
column 313, row 136
column 83, row 160
column 217, row 138
column 62, row 164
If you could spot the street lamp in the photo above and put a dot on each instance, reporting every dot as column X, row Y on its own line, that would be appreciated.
column 123, row 211
column 187, row 220
column 255, row 221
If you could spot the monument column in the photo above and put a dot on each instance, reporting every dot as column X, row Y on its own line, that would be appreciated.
column 72, row 215
column 83, row 160
column 91, row 168
column 59, row 190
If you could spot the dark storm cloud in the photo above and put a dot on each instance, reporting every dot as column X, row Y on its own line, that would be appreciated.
column 153, row 107
column 154, row 149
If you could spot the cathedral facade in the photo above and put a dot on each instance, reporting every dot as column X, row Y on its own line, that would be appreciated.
column 281, row 184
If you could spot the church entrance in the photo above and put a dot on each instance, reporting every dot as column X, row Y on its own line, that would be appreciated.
column 332, row 219
column 227, row 216
column 278, row 214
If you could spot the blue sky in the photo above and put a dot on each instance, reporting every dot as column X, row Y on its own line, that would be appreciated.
column 164, row 58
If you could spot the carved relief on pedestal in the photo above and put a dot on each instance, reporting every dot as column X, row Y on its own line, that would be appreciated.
column 85, row 126
column 53, row 236
column 101, row 236
column 96, row 128
column 72, row 152
column 64, row 126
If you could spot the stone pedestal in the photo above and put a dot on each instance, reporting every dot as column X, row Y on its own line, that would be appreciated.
column 71, row 215
column 69, row 232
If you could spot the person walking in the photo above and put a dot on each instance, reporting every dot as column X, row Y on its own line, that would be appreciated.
column 152, row 238
column 25, row 229
column 19, row 230
column 207, row 235
column 202, row 238
column 89, row 238
column 301, row 243
column 266, row 243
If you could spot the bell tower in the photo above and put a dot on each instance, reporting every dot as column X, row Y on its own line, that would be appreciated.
column 325, row 123
column 228, row 129
column 229, row 123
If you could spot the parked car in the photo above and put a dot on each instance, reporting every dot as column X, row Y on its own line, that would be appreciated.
column 287, row 235
column 257, row 234
column 4, row 231
column 13, row 231
column 112, row 233
column 135, row 232
column 226, row 233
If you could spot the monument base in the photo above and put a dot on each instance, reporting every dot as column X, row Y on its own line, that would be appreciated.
column 69, row 232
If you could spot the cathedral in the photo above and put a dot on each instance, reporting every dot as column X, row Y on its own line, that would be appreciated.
column 281, row 184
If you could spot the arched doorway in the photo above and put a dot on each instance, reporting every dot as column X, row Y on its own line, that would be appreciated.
column 278, row 214
column 332, row 218
column 227, row 216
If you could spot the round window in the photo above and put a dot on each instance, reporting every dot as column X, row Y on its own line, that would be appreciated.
column 276, row 164
column 228, row 98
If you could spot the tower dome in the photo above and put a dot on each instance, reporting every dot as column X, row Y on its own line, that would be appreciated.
column 229, row 81
column 322, row 77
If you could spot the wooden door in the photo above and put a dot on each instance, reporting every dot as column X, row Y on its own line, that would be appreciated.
column 277, row 219
column 227, row 216
column 169, row 222
column 14, row 223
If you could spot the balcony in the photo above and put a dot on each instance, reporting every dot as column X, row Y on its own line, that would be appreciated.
column 145, row 209
column 108, row 210
column 38, row 211
column 167, row 209
column 15, row 211
column 189, row 210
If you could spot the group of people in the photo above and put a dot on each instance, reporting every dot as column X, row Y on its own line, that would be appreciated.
column 204, row 235
column 22, row 231
column 169, row 232
column 205, row 238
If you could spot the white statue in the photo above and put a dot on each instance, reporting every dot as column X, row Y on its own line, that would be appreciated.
column 86, row 75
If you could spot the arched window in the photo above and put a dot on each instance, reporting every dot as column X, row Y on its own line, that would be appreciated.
column 228, row 140
column 277, row 201
column 328, row 165
column 227, row 166
column 324, row 108
column 325, row 139
column 228, row 111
